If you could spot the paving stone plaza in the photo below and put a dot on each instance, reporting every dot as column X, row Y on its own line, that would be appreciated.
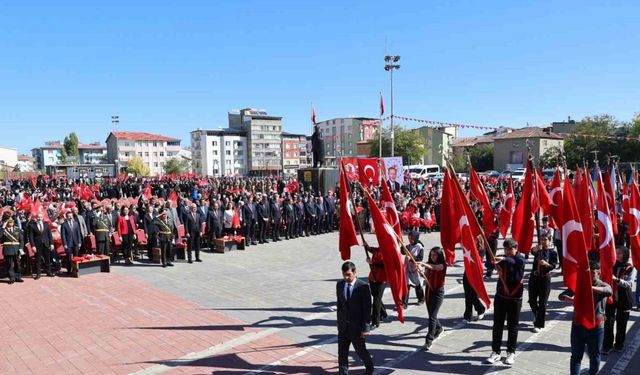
column 269, row 309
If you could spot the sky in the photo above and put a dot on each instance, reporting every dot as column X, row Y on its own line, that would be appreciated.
column 169, row 69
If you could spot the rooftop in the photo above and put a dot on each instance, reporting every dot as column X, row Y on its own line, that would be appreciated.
column 471, row 141
column 529, row 132
column 141, row 136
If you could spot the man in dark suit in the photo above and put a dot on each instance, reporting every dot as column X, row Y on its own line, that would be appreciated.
column 41, row 242
column 354, row 318
column 193, row 230
column 150, row 230
column 214, row 222
column 276, row 217
column 71, row 238
column 289, row 218
column 321, row 215
column 310, row 215
column 263, row 219
column 330, row 208
column 393, row 185
column 298, row 208
column 250, row 215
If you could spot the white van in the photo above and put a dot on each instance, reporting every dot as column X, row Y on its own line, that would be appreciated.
column 424, row 171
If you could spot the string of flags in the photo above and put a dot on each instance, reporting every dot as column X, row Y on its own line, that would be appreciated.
column 595, row 136
column 440, row 123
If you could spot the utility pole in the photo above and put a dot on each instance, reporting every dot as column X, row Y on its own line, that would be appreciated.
column 390, row 66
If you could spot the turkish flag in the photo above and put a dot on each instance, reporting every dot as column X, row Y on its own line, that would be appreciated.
column 556, row 203
column 391, row 257
column 634, row 223
column 585, row 203
column 449, row 230
column 235, row 221
column 611, row 200
column 478, row 193
column 350, row 166
column 576, row 273
column 506, row 211
column 473, row 265
column 368, row 171
column 390, row 209
column 173, row 196
column 523, row 223
column 606, row 236
column 347, row 234
column 544, row 199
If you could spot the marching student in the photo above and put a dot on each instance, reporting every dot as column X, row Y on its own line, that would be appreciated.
column 591, row 338
column 545, row 259
column 508, row 301
column 377, row 283
column 436, row 269
column 617, row 313
column 414, row 278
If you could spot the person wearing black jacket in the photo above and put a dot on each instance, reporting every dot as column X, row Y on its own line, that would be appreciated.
column 275, row 211
column 321, row 216
column 150, row 230
column 289, row 218
column 300, row 218
column 377, row 282
column 354, row 318
column 193, row 232
column 545, row 259
column 12, row 245
column 250, row 218
column 41, row 241
column 617, row 313
column 263, row 219
column 508, row 301
column 330, row 209
column 310, row 216
column 214, row 222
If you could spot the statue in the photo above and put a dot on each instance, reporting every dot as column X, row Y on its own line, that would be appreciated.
column 317, row 147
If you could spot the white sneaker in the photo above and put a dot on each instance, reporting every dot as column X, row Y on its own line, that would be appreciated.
column 511, row 358
column 481, row 316
column 493, row 358
column 536, row 330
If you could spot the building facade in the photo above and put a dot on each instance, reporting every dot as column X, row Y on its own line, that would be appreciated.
column 155, row 150
column 221, row 152
column 510, row 149
column 436, row 141
column 51, row 154
column 294, row 153
column 264, row 139
column 8, row 157
column 76, row 171
column 342, row 135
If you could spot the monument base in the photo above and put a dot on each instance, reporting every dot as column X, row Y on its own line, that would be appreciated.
column 318, row 179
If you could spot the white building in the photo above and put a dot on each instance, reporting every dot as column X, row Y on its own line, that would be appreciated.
column 264, row 133
column 51, row 154
column 155, row 150
column 9, row 156
column 221, row 152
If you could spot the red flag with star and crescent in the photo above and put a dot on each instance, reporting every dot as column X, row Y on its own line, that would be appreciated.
column 390, row 209
column 523, row 219
column 606, row 236
column 633, row 216
column 368, row 171
column 480, row 194
column 506, row 211
column 450, row 232
column 350, row 166
column 347, row 234
column 556, row 203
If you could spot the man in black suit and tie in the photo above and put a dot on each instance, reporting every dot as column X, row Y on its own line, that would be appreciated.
column 193, row 230
column 276, row 217
column 263, row 219
column 393, row 185
column 354, row 318
column 330, row 208
column 250, row 215
column 41, row 242
column 71, row 238
column 214, row 223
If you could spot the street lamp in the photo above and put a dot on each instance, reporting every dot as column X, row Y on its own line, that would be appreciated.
column 390, row 65
column 115, row 120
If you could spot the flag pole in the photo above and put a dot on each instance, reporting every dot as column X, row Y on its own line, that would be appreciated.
column 346, row 179
column 591, row 219
column 452, row 171
column 380, row 125
column 399, row 239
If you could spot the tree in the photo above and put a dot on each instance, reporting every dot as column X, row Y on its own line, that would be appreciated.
column 577, row 149
column 482, row 157
column 70, row 146
column 176, row 166
column 408, row 144
column 551, row 157
column 137, row 167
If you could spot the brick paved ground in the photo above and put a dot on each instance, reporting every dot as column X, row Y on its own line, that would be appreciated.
column 268, row 309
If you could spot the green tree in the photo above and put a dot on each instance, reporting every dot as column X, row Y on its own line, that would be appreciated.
column 551, row 157
column 459, row 162
column 137, row 167
column 176, row 166
column 70, row 145
column 481, row 157
column 580, row 148
column 408, row 144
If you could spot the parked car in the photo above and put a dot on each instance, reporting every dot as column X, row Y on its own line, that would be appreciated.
column 423, row 171
column 518, row 174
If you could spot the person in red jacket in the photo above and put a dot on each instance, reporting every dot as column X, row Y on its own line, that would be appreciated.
column 377, row 282
column 126, row 227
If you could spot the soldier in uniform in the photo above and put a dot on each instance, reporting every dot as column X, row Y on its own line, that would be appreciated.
column 101, row 227
column 164, row 230
column 11, row 239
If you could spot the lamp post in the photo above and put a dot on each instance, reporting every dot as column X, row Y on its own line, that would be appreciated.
column 390, row 66
column 115, row 120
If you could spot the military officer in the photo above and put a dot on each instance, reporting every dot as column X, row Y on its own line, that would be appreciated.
column 101, row 226
column 12, row 245
column 165, row 237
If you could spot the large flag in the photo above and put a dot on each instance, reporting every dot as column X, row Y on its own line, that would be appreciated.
column 634, row 223
column 506, row 211
column 473, row 265
column 477, row 191
column 543, row 196
column 556, row 203
column 350, row 166
column 575, row 261
column 449, row 229
column 585, row 203
column 606, row 236
column 368, row 171
column 388, row 244
column 313, row 115
column 347, row 234
column 523, row 223
column 390, row 209
column 610, row 193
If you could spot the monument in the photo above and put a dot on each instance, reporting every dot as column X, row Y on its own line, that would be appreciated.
column 318, row 178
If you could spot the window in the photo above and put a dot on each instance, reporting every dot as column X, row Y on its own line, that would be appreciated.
column 214, row 143
column 239, row 143
column 155, row 154
column 140, row 154
column 227, row 143
column 146, row 154
column 155, row 164
column 215, row 152
column 126, row 154
column 161, row 153
column 155, row 144
column 228, row 152
column 516, row 157
column 228, row 162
